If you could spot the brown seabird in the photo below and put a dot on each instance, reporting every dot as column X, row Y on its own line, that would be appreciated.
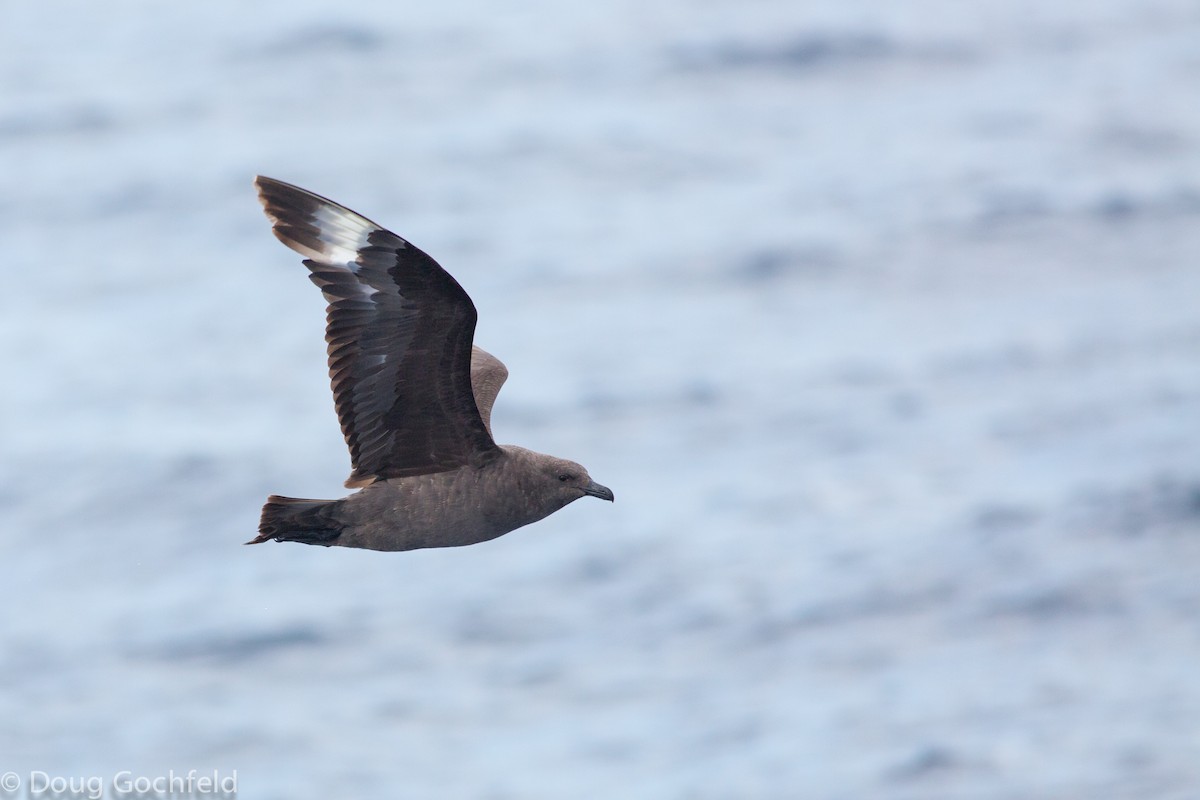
column 414, row 396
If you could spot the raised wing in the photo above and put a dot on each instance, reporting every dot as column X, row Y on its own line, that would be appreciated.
column 399, row 329
column 488, row 374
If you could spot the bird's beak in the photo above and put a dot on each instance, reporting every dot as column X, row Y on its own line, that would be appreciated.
column 596, row 490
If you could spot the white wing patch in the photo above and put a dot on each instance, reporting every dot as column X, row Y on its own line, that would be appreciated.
column 343, row 233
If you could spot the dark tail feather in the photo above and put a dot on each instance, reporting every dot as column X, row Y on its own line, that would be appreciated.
column 290, row 519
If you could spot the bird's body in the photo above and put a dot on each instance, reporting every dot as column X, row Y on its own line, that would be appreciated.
column 414, row 397
column 439, row 509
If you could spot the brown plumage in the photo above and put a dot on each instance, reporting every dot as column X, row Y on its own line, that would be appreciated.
column 413, row 394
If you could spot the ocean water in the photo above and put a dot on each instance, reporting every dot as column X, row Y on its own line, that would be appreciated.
column 879, row 318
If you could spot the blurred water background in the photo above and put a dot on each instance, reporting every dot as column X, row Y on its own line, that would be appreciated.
column 880, row 318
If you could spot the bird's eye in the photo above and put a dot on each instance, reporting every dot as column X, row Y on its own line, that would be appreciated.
column 566, row 477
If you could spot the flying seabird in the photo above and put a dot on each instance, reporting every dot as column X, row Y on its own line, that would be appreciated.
column 413, row 394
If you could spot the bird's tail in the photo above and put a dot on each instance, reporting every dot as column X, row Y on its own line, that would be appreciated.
column 291, row 519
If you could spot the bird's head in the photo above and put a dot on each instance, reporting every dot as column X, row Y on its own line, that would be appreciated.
column 570, row 481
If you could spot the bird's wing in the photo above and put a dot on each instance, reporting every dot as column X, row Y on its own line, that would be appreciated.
column 399, row 329
column 488, row 374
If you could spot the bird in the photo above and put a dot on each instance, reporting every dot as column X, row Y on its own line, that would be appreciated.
column 413, row 394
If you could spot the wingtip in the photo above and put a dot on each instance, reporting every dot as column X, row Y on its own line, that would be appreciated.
column 262, row 183
column 261, row 192
column 270, row 190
